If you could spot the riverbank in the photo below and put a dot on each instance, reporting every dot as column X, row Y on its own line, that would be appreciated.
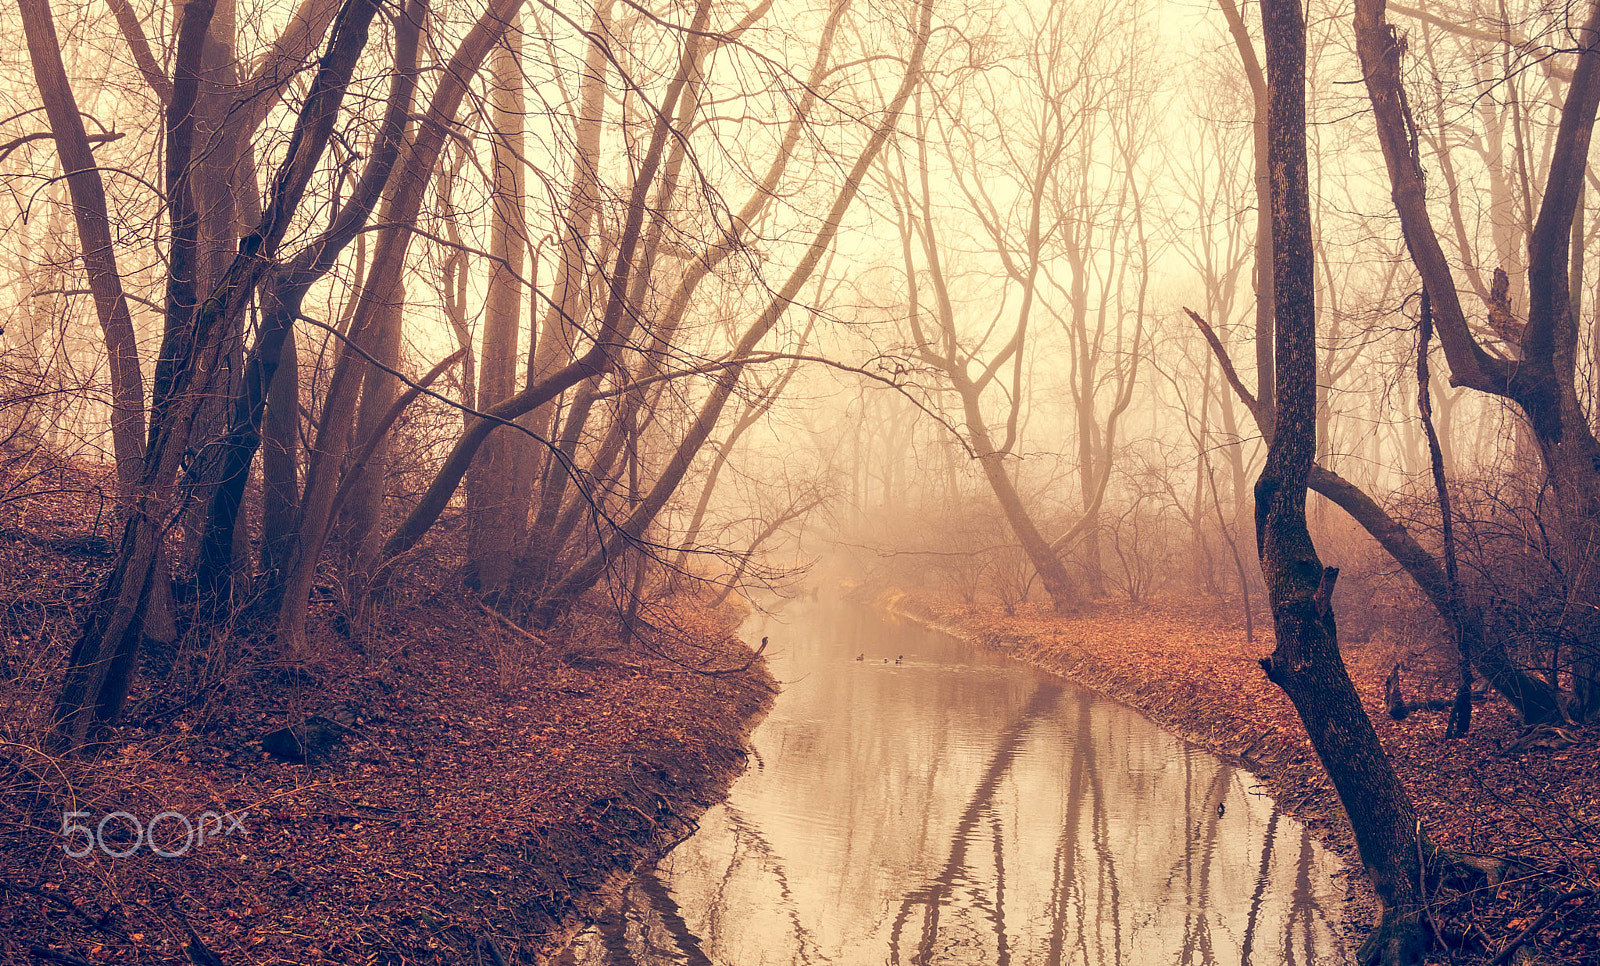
column 1192, row 671
column 472, row 793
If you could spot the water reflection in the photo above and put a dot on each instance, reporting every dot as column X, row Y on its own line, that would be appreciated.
column 960, row 808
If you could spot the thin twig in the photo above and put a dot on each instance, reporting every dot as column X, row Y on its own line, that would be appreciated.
column 1536, row 925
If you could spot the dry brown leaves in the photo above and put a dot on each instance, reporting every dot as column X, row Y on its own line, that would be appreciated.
column 489, row 783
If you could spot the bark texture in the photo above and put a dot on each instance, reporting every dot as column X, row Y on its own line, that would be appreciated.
column 1306, row 662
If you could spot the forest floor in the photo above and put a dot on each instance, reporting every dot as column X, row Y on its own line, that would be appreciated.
column 482, row 792
column 1533, row 799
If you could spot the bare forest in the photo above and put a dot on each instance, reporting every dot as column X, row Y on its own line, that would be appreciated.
column 443, row 445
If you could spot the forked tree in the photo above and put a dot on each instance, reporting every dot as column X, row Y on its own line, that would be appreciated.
column 1535, row 699
column 1541, row 377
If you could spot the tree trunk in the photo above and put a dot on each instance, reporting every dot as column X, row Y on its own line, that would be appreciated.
column 1306, row 662
column 280, row 457
column 267, row 393
column 1263, row 261
column 1064, row 593
column 102, row 663
column 495, row 523
column 1461, row 712
column 94, row 235
column 362, row 507
column 1535, row 699
column 559, row 332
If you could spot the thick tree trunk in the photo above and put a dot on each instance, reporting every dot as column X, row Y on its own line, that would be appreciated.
column 1535, row 699
column 102, row 663
column 280, row 457
column 1306, row 662
column 268, row 390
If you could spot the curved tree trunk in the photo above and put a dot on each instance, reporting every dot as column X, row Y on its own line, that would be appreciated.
column 1535, row 700
column 1063, row 591
column 102, row 663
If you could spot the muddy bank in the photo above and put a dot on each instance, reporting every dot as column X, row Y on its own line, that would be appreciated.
column 473, row 791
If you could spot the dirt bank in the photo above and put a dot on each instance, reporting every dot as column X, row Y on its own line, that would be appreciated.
column 481, row 792
column 1191, row 670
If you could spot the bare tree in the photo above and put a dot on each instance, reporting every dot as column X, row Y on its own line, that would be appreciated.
column 1541, row 380
column 102, row 663
column 1306, row 662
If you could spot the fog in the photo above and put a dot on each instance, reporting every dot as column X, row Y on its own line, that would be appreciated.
column 585, row 310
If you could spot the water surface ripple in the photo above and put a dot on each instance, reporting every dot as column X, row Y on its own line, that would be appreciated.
column 937, row 803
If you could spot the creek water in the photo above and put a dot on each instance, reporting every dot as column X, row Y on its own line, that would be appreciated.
column 934, row 802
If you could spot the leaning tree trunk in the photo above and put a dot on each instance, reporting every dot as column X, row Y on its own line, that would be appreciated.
column 101, row 666
column 94, row 236
column 264, row 411
column 1306, row 662
column 1461, row 711
column 1533, row 697
column 1058, row 584
column 1541, row 380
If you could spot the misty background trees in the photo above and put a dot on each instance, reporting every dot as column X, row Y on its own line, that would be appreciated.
column 585, row 305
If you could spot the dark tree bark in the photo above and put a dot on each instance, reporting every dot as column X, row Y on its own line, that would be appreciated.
column 1541, row 381
column 100, row 668
column 270, row 376
column 496, row 519
column 280, row 456
column 1306, row 662
column 1534, row 699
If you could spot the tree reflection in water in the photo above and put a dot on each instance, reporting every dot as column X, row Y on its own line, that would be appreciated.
column 960, row 808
